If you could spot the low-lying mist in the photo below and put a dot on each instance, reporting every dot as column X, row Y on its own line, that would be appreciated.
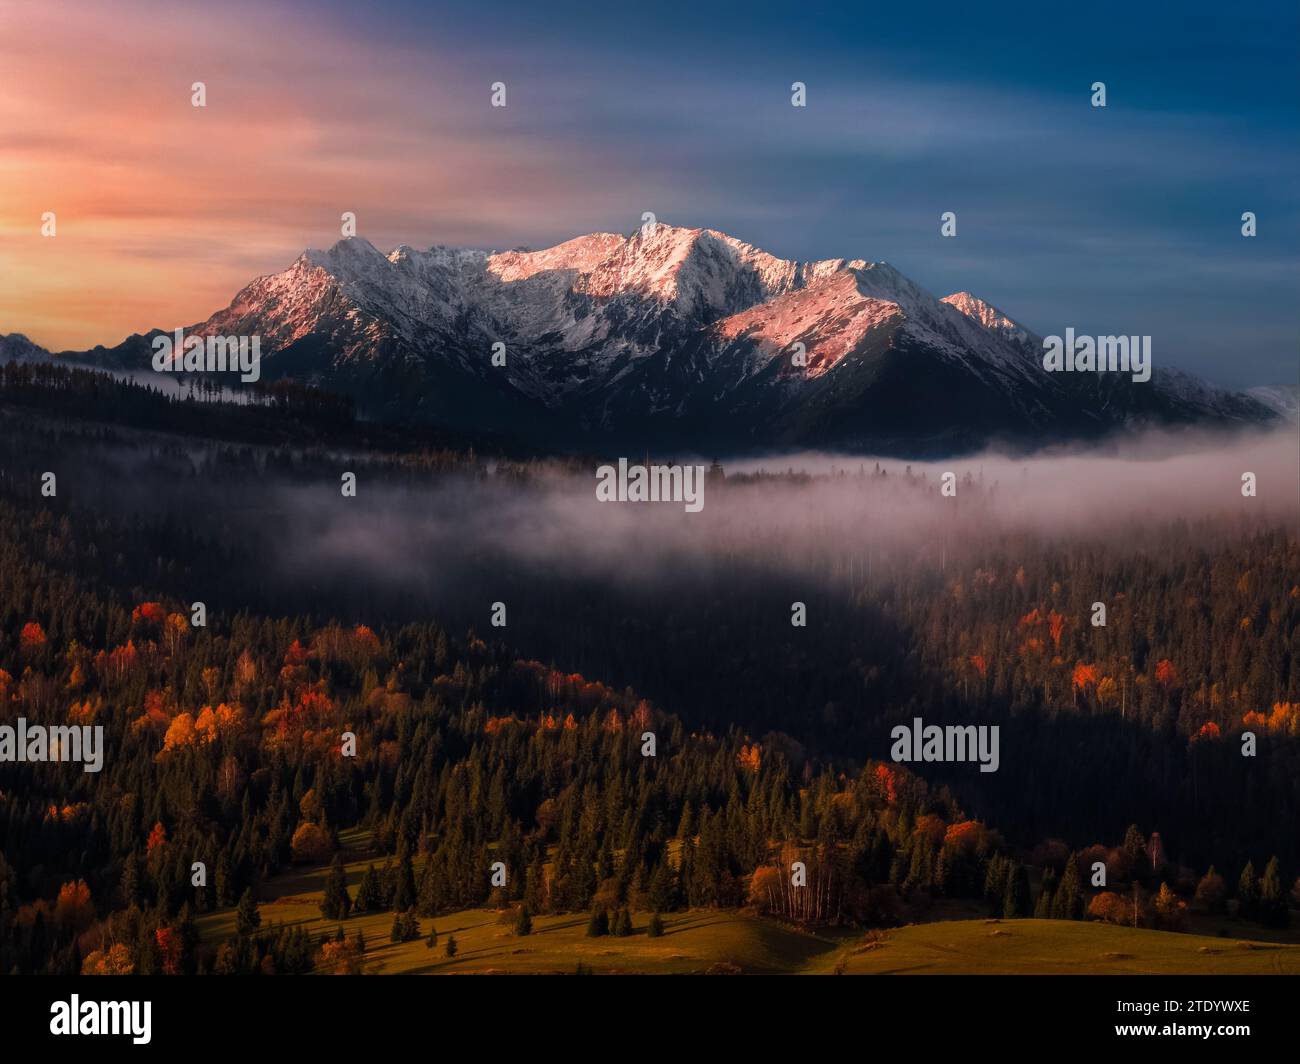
column 798, row 514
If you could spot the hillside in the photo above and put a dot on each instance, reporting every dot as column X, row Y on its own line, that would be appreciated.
column 697, row 940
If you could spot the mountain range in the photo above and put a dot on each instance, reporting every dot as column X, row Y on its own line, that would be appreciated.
column 682, row 339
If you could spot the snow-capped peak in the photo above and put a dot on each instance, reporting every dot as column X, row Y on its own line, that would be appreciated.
column 984, row 313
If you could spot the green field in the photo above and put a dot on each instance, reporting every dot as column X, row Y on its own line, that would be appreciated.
column 696, row 941
column 1063, row 947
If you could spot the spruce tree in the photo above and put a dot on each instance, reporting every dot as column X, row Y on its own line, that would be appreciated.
column 404, row 896
column 1272, row 910
column 1135, row 849
column 1248, row 893
column 432, row 941
column 1068, row 901
column 598, row 924
column 995, row 883
column 336, row 904
column 661, row 895
column 1046, row 895
column 523, row 922
column 655, row 928
column 1015, row 903
column 247, row 918
column 369, row 892
column 450, row 948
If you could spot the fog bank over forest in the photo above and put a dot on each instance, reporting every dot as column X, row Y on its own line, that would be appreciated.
column 554, row 524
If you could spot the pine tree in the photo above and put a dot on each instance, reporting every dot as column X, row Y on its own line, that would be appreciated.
column 1015, row 903
column 655, row 928
column 622, row 923
column 1248, row 893
column 1047, row 893
column 995, row 883
column 1135, row 849
column 1272, row 898
column 432, row 941
column 370, row 894
column 404, row 896
column 247, row 918
column 523, row 922
column 661, row 895
column 395, row 935
column 450, row 948
column 1068, row 901
column 598, row 925
column 336, row 904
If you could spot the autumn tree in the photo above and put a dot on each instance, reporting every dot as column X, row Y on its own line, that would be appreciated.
column 73, row 911
column 1171, row 911
column 1211, row 892
column 310, row 844
column 1110, row 908
column 115, row 960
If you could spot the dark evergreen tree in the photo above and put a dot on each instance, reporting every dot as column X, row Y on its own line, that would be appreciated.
column 404, row 894
column 1016, row 901
column 336, row 904
column 247, row 918
column 1067, row 904
column 1272, row 909
column 1248, row 893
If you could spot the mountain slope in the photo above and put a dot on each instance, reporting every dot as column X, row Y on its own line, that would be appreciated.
column 680, row 338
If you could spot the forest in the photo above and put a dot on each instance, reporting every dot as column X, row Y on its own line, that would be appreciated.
column 332, row 687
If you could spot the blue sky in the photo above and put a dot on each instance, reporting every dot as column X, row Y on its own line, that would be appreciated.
column 1123, row 219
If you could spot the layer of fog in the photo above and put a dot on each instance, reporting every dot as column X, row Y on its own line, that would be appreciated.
column 856, row 509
